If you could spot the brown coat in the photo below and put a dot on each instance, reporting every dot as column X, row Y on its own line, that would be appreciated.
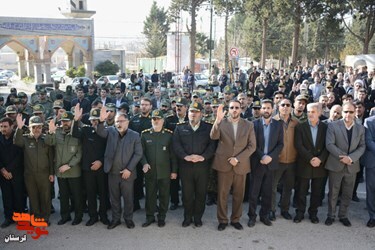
column 289, row 152
column 241, row 147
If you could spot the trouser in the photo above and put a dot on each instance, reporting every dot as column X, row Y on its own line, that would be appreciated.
column 174, row 187
column 370, row 191
column 71, row 186
column 315, row 196
column 247, row 187
column 138, row 184
column 358, row 177
column 157, row 188
column 226, row 180
column 39, row 189
column 194, row 189
column 285, row 173
column 345, row 181
column 13, row 193
column 119, row 187
column 260, row 183
column 96, row 186
column 212, row 181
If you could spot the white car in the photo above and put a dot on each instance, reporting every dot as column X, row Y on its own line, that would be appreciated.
column 111, row 78
column 59, row 76
column 4, row 80
column 76, row 81
column 201, row 80
column 7, row 73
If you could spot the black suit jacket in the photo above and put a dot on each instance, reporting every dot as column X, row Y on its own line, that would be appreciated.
column 275, row 144
column 306, row 150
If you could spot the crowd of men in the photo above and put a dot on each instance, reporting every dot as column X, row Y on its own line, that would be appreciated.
column 246, row 135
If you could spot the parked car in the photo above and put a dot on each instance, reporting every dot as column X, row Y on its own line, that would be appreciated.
column 59, row 76
column 4, row 80
column 201, row 80
column 111, row 78
column 7, row 73
column 76, row 81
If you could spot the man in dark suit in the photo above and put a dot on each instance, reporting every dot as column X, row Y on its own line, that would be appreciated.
column 345, row 142
column 369, row 162
column 194, row 149
column 270, row 141
column 232, row 160
column 312, row 154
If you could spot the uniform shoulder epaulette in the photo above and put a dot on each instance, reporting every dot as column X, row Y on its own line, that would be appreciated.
column 168, row 130
column 85, row 126
column 26, row 135
column 146, row 130
column 208, row 122
column 180, row 123
column 170, row 115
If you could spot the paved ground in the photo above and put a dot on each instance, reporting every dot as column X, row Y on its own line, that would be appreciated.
column 282, row 235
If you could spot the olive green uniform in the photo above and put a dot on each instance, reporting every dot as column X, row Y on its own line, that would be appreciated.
column 158, row 153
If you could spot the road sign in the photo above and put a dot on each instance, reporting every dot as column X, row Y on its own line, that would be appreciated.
column 233, row 52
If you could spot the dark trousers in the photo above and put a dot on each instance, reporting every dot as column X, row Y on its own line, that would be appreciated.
column 286, row 174
column 39, row 189
column 13, row 193
column 96, row 186
column 358, row 177
column 119, row 187
column 260, row 183
column 315, row 196
column 71, row 186
column 370, row 191
column 174, row 187
column 138, row 184
column 194, row 190
column 157, row 188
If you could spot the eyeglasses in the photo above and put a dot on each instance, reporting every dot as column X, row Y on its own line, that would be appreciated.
column 256, row 108
column 348, row 111
column 234, row 107
column 285, row 105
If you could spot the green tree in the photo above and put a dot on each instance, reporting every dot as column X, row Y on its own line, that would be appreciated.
column 76, row 72
column 191, row 6
column 107, row 68
column 156, row 26
column 202, row 44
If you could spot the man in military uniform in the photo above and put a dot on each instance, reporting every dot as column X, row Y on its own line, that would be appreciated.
column 38, row 172
column 27, row 108
column 45, row 102
column 21, row 110
column 228, row 95
column 256, row 111
column 299, row 108
column 194, row 149
column 11, row 112
column 159, row 166
column 68, row 154
column 57, row 90
column 208, row 113
column 35, row 96
column 111, row 109
column 139, row 123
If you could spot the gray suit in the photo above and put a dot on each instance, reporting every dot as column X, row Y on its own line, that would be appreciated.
column 341, row 175
column 369, row 162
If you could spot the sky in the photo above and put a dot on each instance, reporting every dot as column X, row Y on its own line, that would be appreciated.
column 113, row 18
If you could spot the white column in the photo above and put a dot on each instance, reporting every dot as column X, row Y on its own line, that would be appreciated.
column 38, row 72
column 21, row 66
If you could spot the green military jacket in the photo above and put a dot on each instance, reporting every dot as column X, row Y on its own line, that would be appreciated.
column 68, row 150
column 158, row 153
column 38, row 156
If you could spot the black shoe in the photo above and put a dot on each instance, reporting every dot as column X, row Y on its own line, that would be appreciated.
column 345, row 222
column 113, row 224
column 251, row 222
column 210, row 201
column 266, row 221
column 198, row 223
column 161, row 223
column 173, row 207
column 186, row 222
column 76, row 221
column 222, row 226
column 52, row 209
column 355, row 198
column 136, row 206
column 129, row 224
column 148, row 222
column 298, row 218
column 371, row 223
column 105, row 221
column 7, row 223
column 63, row 221
column 286, row 215
column 329, row 221
column 91, row 221
column 236, row 225
column 314, row 219
column 272, row 216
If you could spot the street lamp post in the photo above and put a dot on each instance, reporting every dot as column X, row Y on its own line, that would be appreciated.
column 210, row 43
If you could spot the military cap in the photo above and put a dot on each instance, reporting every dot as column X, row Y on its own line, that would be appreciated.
column 196, row 106
column 256, row 104
column 174, row 100
column 157, row 114
column 228, row 89
column 1, row 98
column 110, row 106
column 58, row 104
column 215, row 95
column 137, row 104
column 13, row 90
column 261, row 90
column 38, row 87
column 94, row 114
column 43, row 92
column 207, row 101
column 249, row 93
column 281, row 85
column 11, row 110
column 38, row 108
column 35, row 121
column 165, row 103
column 215, row 102
column 195, row 94
column 221, row 95
column 16, row 100
column 21, row 95
column 124, row 105
column 67, row 116
column 185, row 90
column 182, row 101
column 302, row 97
